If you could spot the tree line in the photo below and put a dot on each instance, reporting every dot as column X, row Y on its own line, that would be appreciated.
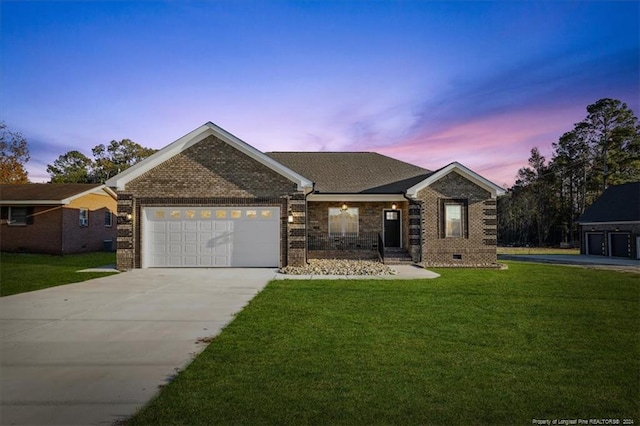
column 108, row 160
column 542, row 207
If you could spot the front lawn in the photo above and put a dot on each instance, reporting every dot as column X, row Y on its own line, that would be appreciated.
column 20, row 273
column 471, row 347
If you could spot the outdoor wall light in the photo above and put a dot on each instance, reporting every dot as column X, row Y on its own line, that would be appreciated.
column 344, row 206
column 290, row 218
column 394, row 206
column 128, row 217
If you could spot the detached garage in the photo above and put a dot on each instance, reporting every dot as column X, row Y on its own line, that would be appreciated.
column 611, row 225
column 210, row 200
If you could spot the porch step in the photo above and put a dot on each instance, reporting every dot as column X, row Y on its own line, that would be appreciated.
column 396, row 256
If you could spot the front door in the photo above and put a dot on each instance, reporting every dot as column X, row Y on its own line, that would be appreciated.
column 392, row 225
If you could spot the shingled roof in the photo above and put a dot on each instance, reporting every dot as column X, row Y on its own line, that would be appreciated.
column 352, row 172
column 620, row 203
column 44, row 192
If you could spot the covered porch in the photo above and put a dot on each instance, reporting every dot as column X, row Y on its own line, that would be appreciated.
column 345, row 227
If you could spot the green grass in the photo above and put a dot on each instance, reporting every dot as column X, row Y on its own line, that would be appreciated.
column 20, row 273
column 471, row 347
column 537, row 250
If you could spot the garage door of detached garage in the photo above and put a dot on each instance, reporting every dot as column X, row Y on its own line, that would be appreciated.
column 186, row 237
column 595, row 243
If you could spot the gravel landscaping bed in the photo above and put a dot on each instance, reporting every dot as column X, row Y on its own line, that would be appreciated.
column 339, row 267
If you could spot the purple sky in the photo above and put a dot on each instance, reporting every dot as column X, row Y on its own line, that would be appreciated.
column 425, row 82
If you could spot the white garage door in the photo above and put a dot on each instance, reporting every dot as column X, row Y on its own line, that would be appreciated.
column 203, row 237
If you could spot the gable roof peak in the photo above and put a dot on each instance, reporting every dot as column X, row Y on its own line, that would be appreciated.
column 208, row 129
column 492, row 188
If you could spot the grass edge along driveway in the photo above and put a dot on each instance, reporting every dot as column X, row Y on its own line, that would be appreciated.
column 472, row 347
column 20, row 273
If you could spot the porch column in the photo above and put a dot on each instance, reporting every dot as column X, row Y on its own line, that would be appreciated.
column 297, row 233
column 415, row 231
column 124, row 245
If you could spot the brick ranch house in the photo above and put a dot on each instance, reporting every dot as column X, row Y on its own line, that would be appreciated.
column 57, row 218
column 209, row 199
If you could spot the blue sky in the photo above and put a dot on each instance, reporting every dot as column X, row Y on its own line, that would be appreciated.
column 425, row 82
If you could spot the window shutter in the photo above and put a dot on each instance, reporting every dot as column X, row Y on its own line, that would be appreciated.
column 29, row 215
column 4, row 213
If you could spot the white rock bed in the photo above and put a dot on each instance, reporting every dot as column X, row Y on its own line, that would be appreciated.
column 339, row 267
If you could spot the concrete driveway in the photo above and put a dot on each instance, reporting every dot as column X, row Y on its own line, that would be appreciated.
column 95, row 352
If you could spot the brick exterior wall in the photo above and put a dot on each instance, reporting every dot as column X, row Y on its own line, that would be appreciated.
column 56, row 229
column 210, row 173
column 478, row 246
column 42, row 236
column 632, row 228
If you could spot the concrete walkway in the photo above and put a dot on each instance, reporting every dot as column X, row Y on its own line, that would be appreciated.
column 618, row 263
column 93, row 353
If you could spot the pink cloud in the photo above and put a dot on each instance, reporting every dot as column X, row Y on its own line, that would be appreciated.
column 495, row 146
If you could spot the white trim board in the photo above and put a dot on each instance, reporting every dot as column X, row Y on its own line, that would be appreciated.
column 356, row 198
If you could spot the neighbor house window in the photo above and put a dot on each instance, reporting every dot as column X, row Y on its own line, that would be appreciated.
column 83, row 217
column 17, row 215
column 107, row 219
column 343, row 222
column 454, row 215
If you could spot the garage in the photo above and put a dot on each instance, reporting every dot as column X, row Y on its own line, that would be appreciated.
column 203, row 237
column 595, row 244
column 620, row 244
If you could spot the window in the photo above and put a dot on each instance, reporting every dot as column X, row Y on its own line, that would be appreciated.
column 343, row 222
column 175, row 214
column 83, row 217
column 236, row 214
column 266, row 214
column 221, row 214
column 454, row 216
column 159, row 214
column 107, row 219
column 17, row 215
column 190, row 214
column 205, row 214
column 251, row 214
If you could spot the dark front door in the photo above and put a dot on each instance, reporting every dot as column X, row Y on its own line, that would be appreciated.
column 392, row 228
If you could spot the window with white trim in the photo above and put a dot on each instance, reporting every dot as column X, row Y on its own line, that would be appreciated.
column 83, row 217
column 454, row 219
column 343, row 222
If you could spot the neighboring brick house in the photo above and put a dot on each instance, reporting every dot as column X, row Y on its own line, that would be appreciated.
column 57, row 218
column 210, row 199
column 611, row 225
